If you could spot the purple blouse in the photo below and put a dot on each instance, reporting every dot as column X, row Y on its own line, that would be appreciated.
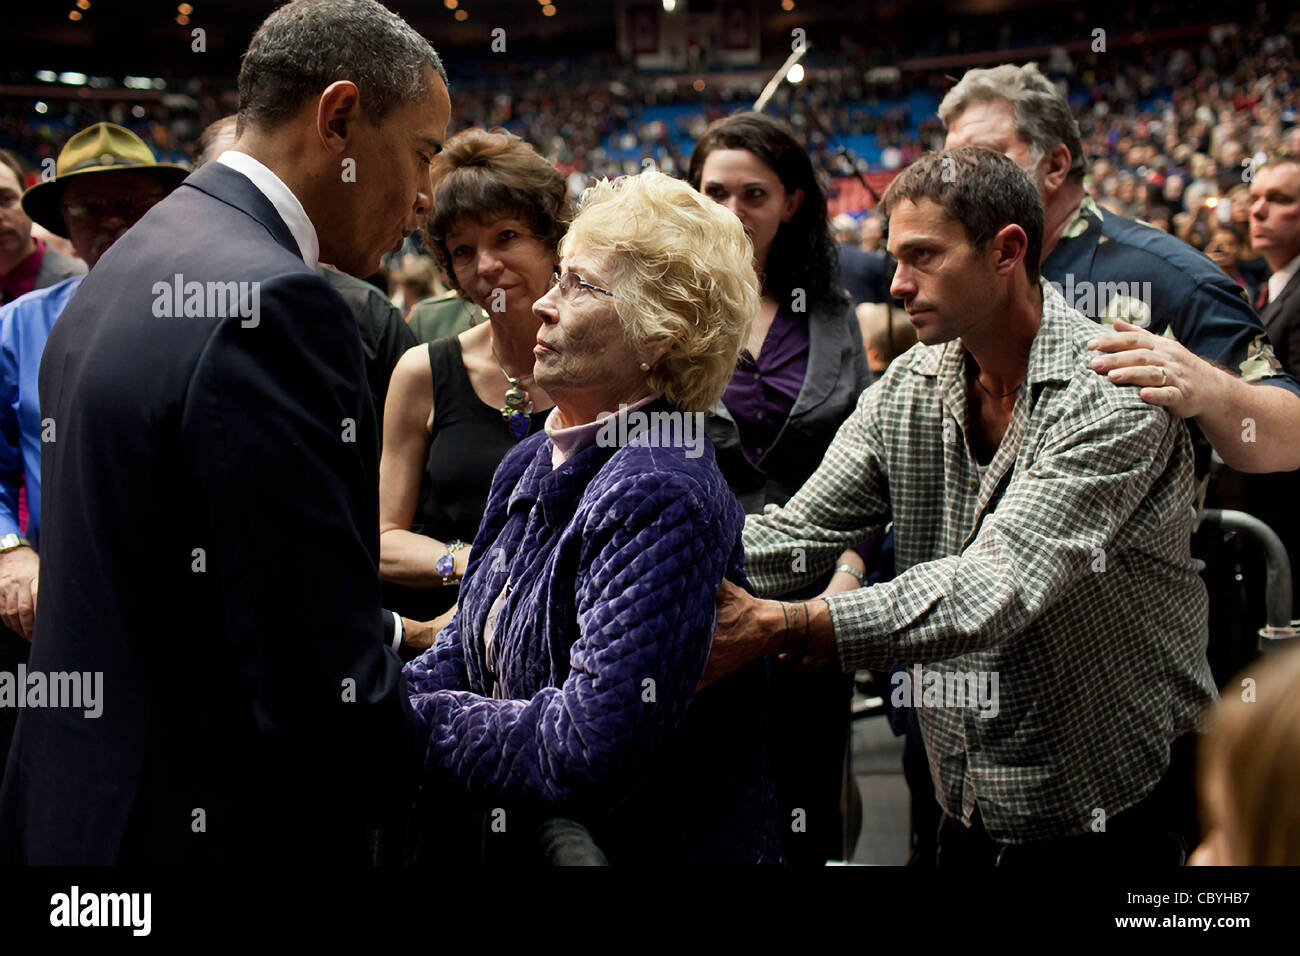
column 761, row 395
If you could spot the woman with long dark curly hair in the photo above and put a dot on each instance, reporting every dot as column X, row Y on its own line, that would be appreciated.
column 805, row 365
column 801, row 378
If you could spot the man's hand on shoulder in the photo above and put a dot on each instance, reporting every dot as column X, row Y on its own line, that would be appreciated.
column 1168, row 373
column 19, row 569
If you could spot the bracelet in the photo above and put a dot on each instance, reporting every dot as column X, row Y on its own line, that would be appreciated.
column 849, row 569
column 792, row 628
column 446, row 565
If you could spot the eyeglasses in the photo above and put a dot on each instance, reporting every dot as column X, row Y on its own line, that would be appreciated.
column 126, row 207
column 570, row 282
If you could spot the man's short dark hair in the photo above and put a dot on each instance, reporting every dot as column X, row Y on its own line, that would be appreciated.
column 979, row 188
column 306, row 45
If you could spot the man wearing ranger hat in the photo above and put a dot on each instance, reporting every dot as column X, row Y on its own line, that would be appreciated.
column 105, row 179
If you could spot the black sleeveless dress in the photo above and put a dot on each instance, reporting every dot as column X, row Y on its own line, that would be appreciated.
column 469, row 440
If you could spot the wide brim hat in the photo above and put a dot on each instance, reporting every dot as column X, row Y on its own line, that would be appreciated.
column 95, row 150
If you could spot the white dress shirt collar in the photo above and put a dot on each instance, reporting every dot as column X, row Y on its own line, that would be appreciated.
column 1278, row 280
column 282, row 198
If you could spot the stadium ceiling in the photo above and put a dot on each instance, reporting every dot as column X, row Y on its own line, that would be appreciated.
column 117, row 36
column 79, row 23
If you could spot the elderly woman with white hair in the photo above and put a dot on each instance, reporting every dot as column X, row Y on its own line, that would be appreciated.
column 565, row 684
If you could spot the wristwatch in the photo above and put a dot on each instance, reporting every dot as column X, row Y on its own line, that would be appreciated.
column 9, row 542
column 446, row 565
column 850, row 569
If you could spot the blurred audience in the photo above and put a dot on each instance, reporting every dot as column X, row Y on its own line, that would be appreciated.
column 414, row 281
column 861, row 273
column 1224, row 249
column 886, row 332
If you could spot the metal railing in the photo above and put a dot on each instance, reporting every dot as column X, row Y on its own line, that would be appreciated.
column 1279, row 626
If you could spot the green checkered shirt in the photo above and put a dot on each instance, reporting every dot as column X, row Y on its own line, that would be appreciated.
column 1066, row 572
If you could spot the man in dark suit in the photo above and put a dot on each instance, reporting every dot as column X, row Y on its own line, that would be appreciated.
column 385, row 336
column 1275, row 233
column 210, row 513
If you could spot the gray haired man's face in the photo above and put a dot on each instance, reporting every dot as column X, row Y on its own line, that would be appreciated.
column 992, row 124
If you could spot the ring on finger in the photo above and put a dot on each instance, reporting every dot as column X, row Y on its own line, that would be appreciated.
column 1164, row 377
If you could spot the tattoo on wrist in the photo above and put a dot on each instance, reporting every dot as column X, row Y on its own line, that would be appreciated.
column 796, row 629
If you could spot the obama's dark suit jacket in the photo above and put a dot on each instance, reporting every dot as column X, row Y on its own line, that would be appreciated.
column 210, row 546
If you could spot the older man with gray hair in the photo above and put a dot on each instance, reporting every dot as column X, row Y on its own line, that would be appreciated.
column 1117, row 270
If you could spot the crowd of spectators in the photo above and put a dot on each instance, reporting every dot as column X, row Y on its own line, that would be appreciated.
column 1172, row 129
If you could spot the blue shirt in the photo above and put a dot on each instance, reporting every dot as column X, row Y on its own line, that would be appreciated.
column 1109, row 266
column 24, row 326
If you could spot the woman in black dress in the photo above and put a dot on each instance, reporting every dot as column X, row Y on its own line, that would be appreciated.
column 457, row 405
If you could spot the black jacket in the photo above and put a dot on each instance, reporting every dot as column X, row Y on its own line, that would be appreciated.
column 384, row 333
column 836, row 375
column 1281, row 318
column 210, row 545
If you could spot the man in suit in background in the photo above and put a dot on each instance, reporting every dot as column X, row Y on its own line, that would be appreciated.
column 210, row 513
column 1275, row 233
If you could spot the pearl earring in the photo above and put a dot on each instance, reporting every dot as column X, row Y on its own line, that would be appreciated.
column 645, row 367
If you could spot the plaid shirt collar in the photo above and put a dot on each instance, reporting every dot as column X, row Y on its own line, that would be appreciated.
column 1051, row 359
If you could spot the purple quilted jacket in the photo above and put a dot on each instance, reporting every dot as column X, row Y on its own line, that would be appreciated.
column 611, row 563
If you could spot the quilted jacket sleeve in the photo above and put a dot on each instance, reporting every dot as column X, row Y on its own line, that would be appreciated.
column 441, row 667
column 655, row 547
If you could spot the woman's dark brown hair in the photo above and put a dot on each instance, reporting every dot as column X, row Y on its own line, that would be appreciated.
column 486, row 175
column 804, row 254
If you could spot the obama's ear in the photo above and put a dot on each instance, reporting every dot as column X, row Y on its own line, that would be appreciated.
column 338, row 110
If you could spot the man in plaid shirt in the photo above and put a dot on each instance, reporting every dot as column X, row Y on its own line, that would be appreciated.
column 1042, row 520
